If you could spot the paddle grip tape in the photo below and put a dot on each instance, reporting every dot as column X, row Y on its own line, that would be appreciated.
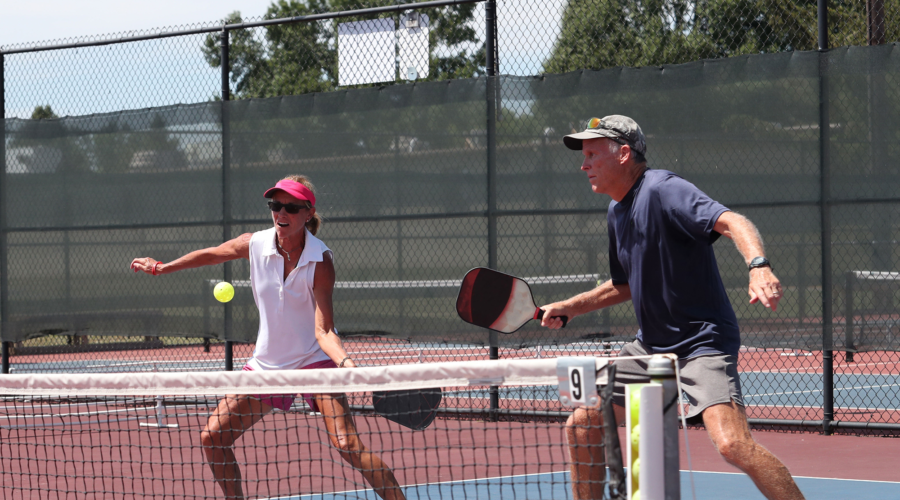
column 539, row 314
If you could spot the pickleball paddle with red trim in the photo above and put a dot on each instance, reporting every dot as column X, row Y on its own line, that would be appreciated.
column 501, row 302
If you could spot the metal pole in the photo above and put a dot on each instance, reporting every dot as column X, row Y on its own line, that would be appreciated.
column 4, row 268
column 226, row 194
column 490, row 20
column 490, row 31
column 825, row 195
column 875, row 29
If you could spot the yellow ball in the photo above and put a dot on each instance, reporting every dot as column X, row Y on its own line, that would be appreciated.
column 223, row 291
column 636, row 495
column 636, row 438
column 635, row 407
column 636, row 471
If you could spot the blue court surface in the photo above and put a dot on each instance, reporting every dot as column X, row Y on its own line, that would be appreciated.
column 706, row 485
column 850, row 390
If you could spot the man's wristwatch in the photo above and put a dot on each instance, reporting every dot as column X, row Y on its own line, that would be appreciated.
column 759, row 262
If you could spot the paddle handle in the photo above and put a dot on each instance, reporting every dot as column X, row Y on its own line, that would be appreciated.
column 539, row 314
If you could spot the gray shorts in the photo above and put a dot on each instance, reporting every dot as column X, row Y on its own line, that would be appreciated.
column 705, row 380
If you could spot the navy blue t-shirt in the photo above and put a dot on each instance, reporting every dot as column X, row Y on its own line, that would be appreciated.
column 660, row 244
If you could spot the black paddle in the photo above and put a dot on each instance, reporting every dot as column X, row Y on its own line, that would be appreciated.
column 414, row 409
column 498, row 301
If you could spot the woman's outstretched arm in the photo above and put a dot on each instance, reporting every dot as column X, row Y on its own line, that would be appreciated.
column 238, row 248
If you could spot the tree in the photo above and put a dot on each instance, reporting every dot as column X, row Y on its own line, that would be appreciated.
column 295, row 60
column 608, row 33
column 43, row 113
column 599, row 34
column 299, row 58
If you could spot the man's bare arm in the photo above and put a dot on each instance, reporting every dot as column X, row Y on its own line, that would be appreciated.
column 605, row 295
column 764, row 285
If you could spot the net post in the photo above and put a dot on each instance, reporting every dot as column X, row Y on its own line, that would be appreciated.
column 491, row 132
column 4, row 354
column 662, row 371
column 490, row 15
column 160, row 416
column 494, row 391
column 226, row 198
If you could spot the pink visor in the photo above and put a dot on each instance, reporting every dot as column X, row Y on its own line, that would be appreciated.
column 294, row 189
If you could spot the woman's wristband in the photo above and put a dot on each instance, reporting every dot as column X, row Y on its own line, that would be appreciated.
column 341, row 365
column 153, row 271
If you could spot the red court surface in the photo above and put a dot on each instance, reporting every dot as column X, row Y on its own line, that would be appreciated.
column 282, row 455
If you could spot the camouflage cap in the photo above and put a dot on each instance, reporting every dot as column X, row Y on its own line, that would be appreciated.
column 619, row 128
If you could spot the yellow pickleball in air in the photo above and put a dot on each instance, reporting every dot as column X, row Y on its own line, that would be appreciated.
column 223, row 291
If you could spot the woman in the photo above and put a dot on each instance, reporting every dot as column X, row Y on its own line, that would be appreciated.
column 292, row 277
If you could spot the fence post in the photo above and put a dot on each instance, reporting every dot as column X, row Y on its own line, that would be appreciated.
column 226, row 193
column 825, row 200
column 875, row 28
column 4, row 279
column 490, row 12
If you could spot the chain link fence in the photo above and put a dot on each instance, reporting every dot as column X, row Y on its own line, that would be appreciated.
column 432, row 132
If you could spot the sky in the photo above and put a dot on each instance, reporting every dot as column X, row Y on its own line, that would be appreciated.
column 171, row 71
column 23, row 21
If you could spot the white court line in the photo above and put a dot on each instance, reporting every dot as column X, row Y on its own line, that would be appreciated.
column 566, row 472
column 819, row 407
column 801, row 477
column 819, row 367
column 820, row 390
column 93, row 422
column 79, row 414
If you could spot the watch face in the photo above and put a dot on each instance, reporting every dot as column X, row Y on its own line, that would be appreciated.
column 759, row 262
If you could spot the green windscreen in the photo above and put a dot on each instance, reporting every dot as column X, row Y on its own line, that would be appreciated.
column 415, row 191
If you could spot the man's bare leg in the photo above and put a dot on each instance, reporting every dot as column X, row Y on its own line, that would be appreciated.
column 584, row 434
column 730, row 433
column 234, row 415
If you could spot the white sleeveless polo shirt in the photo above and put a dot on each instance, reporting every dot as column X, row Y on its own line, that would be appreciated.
column 287, row 308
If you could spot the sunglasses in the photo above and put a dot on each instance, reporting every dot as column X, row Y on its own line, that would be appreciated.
column 597, row 123
column 291, row 208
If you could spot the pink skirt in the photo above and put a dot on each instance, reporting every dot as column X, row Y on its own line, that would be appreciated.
column 284, row 401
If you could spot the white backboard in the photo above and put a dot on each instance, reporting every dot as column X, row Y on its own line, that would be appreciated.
column 366, row 52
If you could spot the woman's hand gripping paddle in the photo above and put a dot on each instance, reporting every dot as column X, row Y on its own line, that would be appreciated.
column 498, row 301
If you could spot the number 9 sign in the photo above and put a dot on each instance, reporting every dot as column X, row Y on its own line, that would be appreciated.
column 578, row 381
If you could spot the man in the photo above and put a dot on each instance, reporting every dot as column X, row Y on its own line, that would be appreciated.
column 661, row 231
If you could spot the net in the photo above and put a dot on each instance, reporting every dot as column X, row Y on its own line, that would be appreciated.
column 871, row 321
column 142, row 435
